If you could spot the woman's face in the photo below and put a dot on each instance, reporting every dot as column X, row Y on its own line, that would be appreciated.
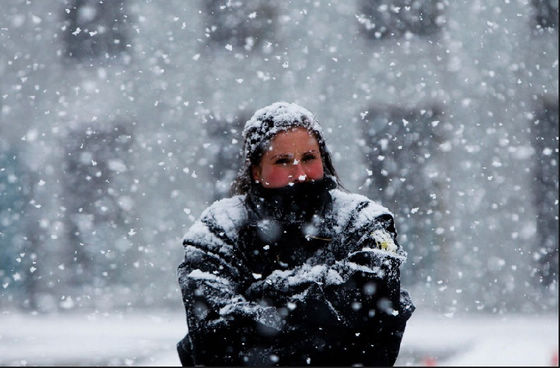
column 293, row 156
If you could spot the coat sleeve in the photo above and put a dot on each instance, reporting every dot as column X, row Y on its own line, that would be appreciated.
column 354, row 304
column 370, row 297
column 220, row 320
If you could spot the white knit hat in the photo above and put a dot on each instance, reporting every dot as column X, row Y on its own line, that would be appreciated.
column 277, row 117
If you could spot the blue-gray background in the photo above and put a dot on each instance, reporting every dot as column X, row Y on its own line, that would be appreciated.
column 120, row 122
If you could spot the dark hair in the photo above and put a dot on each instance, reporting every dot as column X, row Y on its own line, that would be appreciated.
column 244, row 179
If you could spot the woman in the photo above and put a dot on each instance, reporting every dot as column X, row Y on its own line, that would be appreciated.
column 292, row 270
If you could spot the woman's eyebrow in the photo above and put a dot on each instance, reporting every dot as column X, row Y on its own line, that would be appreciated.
column 282, row 155
column 289, row 155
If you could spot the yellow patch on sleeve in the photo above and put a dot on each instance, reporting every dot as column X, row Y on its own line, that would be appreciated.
column 384, row 240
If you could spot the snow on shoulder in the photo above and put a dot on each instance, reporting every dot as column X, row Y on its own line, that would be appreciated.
column 355, row 211
column 225, row 214
column 355, row 207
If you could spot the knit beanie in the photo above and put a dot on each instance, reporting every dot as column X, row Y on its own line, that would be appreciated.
column 270, row 120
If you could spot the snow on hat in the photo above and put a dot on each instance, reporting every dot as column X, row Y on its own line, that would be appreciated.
column 272, row 119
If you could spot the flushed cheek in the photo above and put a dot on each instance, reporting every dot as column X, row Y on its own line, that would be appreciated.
column 279, row 176
column 275, row 177
column 314, row 170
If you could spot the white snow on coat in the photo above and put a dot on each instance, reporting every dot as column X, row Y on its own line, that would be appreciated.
column 203, row 244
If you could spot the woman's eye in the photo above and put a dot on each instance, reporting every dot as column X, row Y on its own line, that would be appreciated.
column 309, row 157
column 282, row 161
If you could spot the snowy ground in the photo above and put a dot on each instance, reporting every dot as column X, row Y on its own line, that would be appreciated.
column 149, row 339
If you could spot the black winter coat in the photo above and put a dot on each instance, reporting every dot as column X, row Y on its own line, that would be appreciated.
column 264, row 283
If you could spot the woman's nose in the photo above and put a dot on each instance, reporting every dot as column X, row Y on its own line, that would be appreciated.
column 299, row 172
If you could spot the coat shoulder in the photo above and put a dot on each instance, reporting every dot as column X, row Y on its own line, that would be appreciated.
column 218, row 224
column 364, row 221
column 356, row 210
column 226, row 212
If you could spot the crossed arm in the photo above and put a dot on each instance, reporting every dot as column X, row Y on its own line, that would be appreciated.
column 357, row 297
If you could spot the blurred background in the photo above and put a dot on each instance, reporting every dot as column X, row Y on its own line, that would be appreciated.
column 120, row 121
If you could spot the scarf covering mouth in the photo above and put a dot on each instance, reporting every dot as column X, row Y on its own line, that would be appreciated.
column 296, row 203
